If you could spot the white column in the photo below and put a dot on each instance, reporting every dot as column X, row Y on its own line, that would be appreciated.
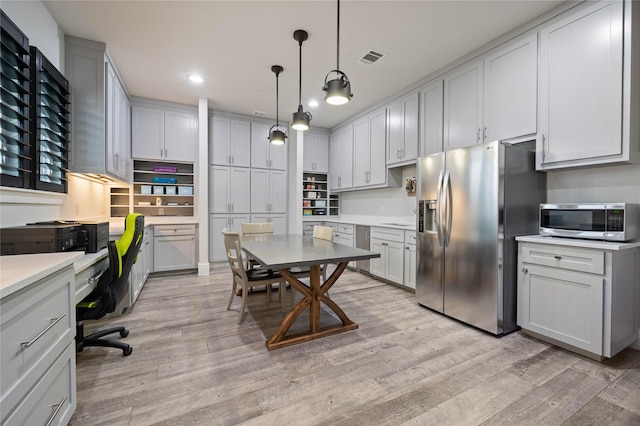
column 202, row 187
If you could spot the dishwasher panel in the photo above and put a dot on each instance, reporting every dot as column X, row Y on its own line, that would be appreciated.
column 362, row 241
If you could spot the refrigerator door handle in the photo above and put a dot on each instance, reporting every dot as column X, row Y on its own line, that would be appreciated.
column 449, row 207
column 438, row 214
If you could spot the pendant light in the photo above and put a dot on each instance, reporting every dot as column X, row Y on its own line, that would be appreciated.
column 300, row 119
column 339, row 89
column 277, row 136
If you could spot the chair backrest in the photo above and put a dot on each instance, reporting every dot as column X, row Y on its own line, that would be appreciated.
column 257, row 228
column 114, row 283
column 323, row 232
column 233, row 248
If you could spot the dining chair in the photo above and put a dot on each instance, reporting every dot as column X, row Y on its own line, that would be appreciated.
column 252, row 228
column 246, row 278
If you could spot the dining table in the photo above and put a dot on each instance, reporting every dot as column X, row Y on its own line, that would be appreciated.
column 287, row 253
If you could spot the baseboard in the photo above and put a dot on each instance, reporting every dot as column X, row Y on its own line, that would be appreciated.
column 203, row 269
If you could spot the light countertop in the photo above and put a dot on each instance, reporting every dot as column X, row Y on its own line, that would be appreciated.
column 20, row 271
column 574, row 242
column 405, row 223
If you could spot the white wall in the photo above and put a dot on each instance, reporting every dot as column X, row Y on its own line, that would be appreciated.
column 86, row 199
column 380, row 202
column 595, row 184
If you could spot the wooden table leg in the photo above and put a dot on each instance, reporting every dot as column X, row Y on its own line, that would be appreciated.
column 313, row 295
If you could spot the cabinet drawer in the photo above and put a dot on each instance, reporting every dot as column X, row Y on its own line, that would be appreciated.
column 346, row 240
column 332, row 225
column 168, row 230
column 37, row 324
column 345, row 229
column 388, row 234
column 53, row 399
column 410, row 237
column 575, row 259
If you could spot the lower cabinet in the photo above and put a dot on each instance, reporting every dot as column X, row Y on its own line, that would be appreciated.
column 279, row 221
column 390, row 244
column 410, row 259
column 174, row 247
column 343, row 233
column 38, row 361
column 584, row 299
column 218, row 222
column 142, row 268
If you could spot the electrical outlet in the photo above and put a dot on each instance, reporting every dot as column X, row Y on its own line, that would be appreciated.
column 77, row 209
column 161, row 211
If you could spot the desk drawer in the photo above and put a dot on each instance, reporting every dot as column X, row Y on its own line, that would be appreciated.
column 37, row 324
column 575, row 259
column 169, row 230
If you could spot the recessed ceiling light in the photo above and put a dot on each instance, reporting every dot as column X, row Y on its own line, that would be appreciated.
column 313, row 103
column 195, row 78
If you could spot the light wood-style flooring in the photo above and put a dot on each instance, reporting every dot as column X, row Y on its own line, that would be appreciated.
column 192, row 364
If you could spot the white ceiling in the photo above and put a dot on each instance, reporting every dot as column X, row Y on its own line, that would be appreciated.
column 233, row 44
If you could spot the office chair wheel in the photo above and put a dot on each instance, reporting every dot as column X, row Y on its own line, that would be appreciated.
column 127, row 351
column 125, row 333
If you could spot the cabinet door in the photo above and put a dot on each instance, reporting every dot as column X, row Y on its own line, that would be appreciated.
column 564, row 305
column 431, row 118
column 260, row 146
column 377, row 265
column 410, row 124
column 125, row 132
column 216, row 224
column 220, row 136
column 239, row 190
column 219, row 181
column 147, row 133
column 395, row 132
column 174, row 253
column 395, row 262
column 335, row 161
column 259, row 191
column 239, row 143
column 581, row 85
column 463, row 107
column 361, row 153
column 277, row 191
column 180, row 136
column 278, row 157
column 279, row 221
column 321, row 153
column 346, row 174
column 307, row 152
column 510, row 90
column 112, row 150
column 410, row 266
column 377, row 147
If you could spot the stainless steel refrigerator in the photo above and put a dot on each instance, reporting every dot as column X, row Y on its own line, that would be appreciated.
column 472, row 203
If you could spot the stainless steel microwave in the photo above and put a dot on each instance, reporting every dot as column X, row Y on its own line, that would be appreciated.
column 596, row 221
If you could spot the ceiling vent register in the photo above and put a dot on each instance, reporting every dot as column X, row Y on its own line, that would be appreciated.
column 371, row 57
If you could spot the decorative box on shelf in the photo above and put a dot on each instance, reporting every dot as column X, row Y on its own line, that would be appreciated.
column 165, row 169
column 158, row 190
column 185, row 190
column 145, row 189
column 165, row 180
column 170, row 190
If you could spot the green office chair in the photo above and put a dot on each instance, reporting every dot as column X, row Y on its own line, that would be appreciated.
column 111, row 287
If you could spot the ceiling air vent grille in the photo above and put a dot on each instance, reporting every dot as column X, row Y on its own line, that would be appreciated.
column 371, row 57
column 259, row 113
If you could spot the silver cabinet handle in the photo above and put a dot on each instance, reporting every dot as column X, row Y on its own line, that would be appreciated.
column 57, row 410
column 478, row 135
column 484, row 133
column 228, row 207
column 525, row 270
column 161, row 153
column 406, row 247
column 557, row 257
column 54, row 321
column 232, row 207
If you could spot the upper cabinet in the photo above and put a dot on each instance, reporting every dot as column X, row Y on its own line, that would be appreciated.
column 315, row 153
column 164, row 132
column 341, row 159
column 463, row 106
column 264, row 154
column 402, row 129
column 369, row 142
column 230, row 141
column 589, row 64
column 431, row 117
column 99, row 111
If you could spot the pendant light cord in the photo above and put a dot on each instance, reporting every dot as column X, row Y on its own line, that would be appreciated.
column 300, row 79
column 338, row 40
column 277, row 102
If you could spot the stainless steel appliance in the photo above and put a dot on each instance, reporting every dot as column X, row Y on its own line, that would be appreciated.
column 472, row 203
column 363, row 241
column 596, row 221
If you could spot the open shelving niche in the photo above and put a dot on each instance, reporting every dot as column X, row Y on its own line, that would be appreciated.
column 176, row 197
column 316, row 198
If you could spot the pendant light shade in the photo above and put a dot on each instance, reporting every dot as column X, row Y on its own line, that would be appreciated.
column 276, row 135
column 300, row 119
column 339, row 89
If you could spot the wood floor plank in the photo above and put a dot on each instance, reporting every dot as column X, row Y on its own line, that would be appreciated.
column 193, row 364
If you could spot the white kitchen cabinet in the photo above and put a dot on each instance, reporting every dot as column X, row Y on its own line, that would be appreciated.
column 163, row 133
column 264, row 154
column 315, row 153
column 585, row 62
column 99, row 111
column 268, row 191
column 510, row 90
column 369, row 147
column 343, row 233
column 230, row 141
column 174, row 247
column 402, row 129
column 279, row 221
column 410, row 259
column 143, row 267
column 341, row 159
column 390, row 244
column 229, row 190
column 431, row 117
column 581, row 298
column 218, row 222
column 463, row 100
